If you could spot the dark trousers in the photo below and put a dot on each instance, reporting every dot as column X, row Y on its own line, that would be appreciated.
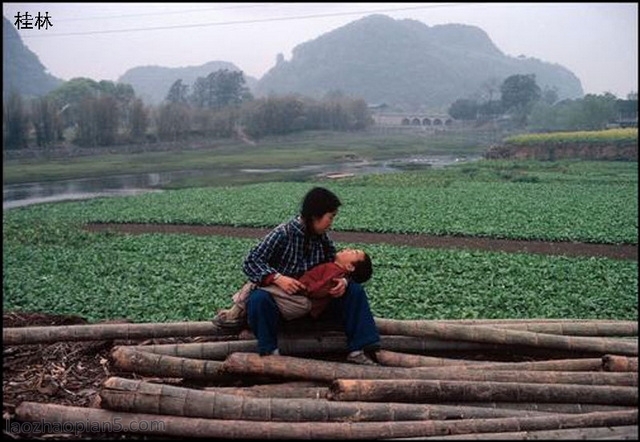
column 352, row 309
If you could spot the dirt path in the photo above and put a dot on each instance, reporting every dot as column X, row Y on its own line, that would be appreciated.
column 624, row 252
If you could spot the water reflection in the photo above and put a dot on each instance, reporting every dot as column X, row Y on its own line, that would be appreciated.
column 18, row 195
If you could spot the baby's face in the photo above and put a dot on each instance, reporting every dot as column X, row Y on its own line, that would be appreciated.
column 347, row 258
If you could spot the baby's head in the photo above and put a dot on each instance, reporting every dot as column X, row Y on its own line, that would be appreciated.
column 357, row 263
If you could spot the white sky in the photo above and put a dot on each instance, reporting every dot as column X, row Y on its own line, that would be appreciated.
column 598, row 42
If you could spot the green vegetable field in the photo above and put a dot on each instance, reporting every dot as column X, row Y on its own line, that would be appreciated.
column 51, row 265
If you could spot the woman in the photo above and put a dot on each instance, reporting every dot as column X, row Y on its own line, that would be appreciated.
column 284, row 255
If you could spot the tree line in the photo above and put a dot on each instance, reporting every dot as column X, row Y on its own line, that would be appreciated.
column 524, row 104
column 87, row 113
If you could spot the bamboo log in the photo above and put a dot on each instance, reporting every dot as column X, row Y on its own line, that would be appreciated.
column 624, row 432
column 618, row 328
column 164, row 426
column 619, row 363
column 103, row 332
column 555, row 327
column 295, row 389
column 120, row 394
column 213, row 351
column 562, row 408
column 503, row 336
column 395, row 359
column 507, row 321
column 218, row 351
column 420, row 391
column 289, row 367
column 128, row 359
column 497, row 353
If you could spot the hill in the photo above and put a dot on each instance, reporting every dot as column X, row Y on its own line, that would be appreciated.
column 403, row 63
column 152, row 83
column 22, row 70
column 406, row 63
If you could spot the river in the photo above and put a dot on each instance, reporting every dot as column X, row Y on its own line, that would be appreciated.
column 18, row 195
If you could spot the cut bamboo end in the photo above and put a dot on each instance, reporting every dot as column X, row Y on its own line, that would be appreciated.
column 619, row 363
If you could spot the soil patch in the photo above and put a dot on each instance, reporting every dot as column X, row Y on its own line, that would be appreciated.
column 614, row 251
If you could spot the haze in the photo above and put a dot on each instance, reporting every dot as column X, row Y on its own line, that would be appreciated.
column 598, row 42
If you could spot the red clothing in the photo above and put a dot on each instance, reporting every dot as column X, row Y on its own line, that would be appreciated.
column 319, row 280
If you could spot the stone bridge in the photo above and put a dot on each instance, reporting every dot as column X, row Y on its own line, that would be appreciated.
column 414, row 120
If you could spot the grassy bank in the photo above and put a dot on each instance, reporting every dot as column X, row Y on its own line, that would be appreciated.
column 223, row 159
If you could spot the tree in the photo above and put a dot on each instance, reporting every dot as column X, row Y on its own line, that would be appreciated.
column 46, row 121
column 98, row 121
column 229, row 88
column 70, row 97
column 490, row 110
column 490, row 89
column 15, row 122
column 627, row 110
column 273, row 115
column 138, row 120
column 87, row 132
column 597, row 111
column 106, row 123
column 220, row 89
column 593, row 112
column 464, row 109
column 549, row 95
column 173, row 121
column 177, row 93
column 518, row 94
column 361, row 115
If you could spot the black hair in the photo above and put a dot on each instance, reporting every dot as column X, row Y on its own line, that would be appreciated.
column 317, row 202
column 362, row 270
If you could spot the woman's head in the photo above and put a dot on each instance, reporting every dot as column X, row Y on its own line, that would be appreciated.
column 319, row 207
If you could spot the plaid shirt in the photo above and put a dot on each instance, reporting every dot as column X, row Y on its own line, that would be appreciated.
column 281, row 251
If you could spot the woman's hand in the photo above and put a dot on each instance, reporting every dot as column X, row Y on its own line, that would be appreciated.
column 340, row 287
column 289, row 285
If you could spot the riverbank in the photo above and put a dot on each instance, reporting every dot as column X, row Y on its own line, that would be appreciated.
column 223, row 157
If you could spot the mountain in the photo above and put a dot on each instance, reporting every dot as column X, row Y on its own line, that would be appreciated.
column 152, row 83
column 402, row 63
column 22, row 70
column 406, row 63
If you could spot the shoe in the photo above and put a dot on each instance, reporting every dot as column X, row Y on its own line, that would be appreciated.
column 371, row 348
column 361, row 359
column 225, row 323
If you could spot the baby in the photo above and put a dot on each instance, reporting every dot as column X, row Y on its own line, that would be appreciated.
column 313, row 299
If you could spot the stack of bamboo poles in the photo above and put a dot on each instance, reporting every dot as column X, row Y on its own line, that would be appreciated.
column 483, row 379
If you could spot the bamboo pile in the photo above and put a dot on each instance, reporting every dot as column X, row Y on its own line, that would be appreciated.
column 482, row 379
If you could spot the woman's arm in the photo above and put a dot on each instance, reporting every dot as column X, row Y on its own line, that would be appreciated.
column 256, row 265
column 321, row 279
